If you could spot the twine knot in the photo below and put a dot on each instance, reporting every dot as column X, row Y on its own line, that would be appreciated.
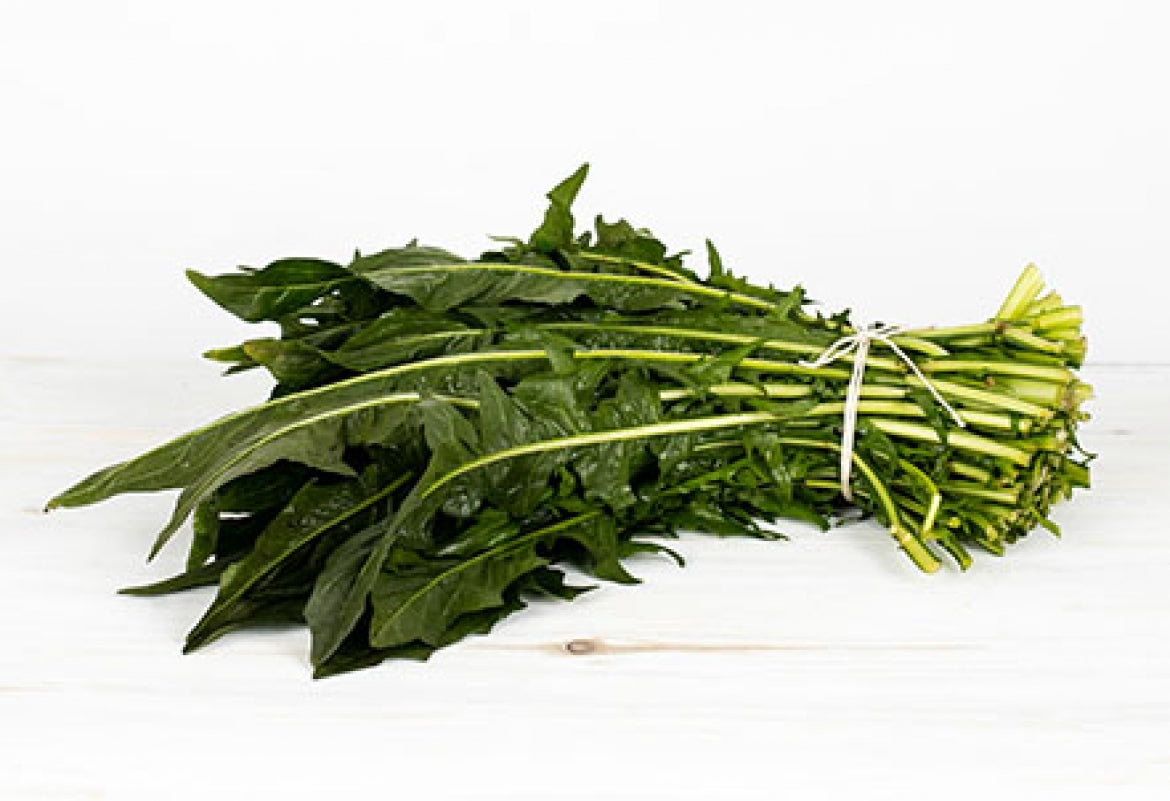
column 858, row 345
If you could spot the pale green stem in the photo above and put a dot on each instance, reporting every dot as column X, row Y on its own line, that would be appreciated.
column 962, row 440
column 1025, row 290
column 656, row 269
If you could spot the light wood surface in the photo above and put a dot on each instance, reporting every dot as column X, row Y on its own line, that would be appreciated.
column 813, row 668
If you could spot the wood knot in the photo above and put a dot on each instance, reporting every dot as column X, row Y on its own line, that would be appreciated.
column 582, row 647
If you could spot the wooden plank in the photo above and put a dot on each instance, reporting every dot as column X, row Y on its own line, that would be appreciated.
column 815, row 667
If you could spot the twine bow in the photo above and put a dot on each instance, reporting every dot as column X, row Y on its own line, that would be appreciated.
column 858, row 344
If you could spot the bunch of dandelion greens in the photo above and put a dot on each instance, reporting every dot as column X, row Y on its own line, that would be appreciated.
column 445, row 435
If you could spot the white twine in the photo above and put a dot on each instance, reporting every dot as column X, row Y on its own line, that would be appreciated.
column 858, row 344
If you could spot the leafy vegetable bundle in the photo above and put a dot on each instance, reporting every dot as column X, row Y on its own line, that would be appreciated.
column 445, row 434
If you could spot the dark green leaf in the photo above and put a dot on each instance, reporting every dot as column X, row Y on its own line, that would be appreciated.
column 313, row 511
column 557, row 229
column 206, row 532
column 282, row 287
column 202, row 576
column 422, row 601
column 342, row 588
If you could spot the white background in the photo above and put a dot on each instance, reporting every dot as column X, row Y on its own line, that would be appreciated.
column 905, row 159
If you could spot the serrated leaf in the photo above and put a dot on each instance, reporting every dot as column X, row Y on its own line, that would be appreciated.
column 312, row 512
column 282, row 287
column 421, row 602
column 607, row 471
column 598, row 537
column 557, row 229
column 305, row 427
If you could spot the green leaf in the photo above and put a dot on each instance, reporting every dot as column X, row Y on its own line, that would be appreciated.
column 628, row 548
column 313, row 511
column 517, row 485
column 704, row 516
column 442, row 285
column 270, row 488
column 639, row 246
column 421, row 602
column 607, row 470
column 356, row 654
column 549, row 582
column 557, row 229
column 491, row 528
column 204, row 575
column 403, row 335
column 306, row 427
column 598, row 537
column 562, row 398
column 453, row 440
column 341, row 590
column 295, row 364
column 253, row 613
column 283, row 286
column 206, row 532
column 714, row 260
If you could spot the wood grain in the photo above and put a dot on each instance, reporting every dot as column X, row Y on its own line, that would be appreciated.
column 813, row 668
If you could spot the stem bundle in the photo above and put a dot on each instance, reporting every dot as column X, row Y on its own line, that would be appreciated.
column 444, row 433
